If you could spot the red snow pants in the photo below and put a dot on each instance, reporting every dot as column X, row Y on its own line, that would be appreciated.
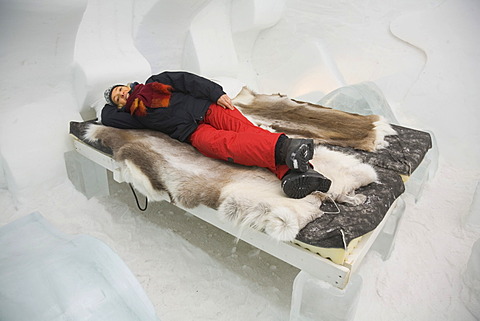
column 227, row 135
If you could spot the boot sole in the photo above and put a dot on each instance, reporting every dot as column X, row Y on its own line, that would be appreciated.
column 303, row 185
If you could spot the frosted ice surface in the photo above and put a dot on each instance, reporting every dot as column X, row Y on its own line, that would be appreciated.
column 52, row 276
column 471, row 277
column 364, row 98
column 473, row 217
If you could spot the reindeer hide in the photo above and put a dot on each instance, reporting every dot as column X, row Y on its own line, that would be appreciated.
column 157, row 164
column 325, row 125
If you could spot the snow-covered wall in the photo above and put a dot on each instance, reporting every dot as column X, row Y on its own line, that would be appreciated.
column 161, row 31
column 422, row 54
column 36, row 93
column 104, row 51
column 57, row 58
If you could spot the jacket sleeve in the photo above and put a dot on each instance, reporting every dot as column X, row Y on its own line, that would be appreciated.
column 189, row 83
column 113, row 117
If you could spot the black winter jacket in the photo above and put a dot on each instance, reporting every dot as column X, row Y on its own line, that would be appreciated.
column 191, row 97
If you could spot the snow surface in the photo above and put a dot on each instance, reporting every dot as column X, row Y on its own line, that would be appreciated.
column 422, row 54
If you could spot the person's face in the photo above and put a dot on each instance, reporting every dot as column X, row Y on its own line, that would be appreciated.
column 120, row 95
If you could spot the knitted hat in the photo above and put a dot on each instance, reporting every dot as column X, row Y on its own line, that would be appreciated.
column 108, row 94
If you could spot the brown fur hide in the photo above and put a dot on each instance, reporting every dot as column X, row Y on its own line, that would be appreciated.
column 248, row 196
column 302, row 119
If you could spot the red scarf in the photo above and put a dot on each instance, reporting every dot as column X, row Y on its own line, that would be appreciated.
column 153, row 95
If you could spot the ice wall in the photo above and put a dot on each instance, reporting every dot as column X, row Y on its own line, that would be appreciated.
column 36, row 94
column 105, row 53
column 58, row 57
column 51, row 276
column 445, row 96
column 423, row 55
column 56, row 60
column 161, row 31
column 320, row 47
column 213, row 38
column 307, row 49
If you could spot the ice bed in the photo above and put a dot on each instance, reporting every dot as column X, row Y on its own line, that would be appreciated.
column 329, row 247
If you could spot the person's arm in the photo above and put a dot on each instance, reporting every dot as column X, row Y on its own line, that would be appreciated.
column 113, row 117
column 191, row 84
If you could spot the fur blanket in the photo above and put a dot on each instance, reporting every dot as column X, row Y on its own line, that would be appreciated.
column 156, row 164
column 301, row 119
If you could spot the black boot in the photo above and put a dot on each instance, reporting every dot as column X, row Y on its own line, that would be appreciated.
column 299, row 185
column 295, row 153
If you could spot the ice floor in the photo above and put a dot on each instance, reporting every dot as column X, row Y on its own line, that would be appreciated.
column 423, row 55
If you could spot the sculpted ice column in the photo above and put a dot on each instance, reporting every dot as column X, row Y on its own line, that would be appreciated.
column 209, row 48
column 249, row 18
column 105, row 53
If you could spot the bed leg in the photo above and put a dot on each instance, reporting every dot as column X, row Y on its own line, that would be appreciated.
column 385, row 241
column 314, row 299
column 87, row 176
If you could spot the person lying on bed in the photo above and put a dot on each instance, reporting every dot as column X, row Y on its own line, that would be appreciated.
column 195, row 110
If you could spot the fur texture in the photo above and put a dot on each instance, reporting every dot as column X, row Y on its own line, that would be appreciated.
column 157, row 164
column 301, row 119
column 347, row 173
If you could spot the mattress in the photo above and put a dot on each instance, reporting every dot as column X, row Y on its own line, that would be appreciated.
column 335, row 233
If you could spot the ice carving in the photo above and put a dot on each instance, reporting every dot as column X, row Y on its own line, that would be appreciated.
column 52, row 276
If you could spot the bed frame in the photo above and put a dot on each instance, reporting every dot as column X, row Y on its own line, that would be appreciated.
column 313, row 267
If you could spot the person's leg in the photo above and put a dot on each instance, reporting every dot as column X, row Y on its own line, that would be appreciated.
column 295, row 153
column 228, row 135
column 250, row 148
